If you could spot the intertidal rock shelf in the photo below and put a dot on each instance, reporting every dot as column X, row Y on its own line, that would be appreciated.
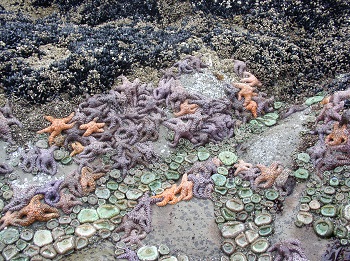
column 197, row 143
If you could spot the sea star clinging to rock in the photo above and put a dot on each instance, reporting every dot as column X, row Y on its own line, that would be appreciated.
column 35, row 211
column 338, row 136
column 129, row 254
column 239, row 67
column 142, row 212
column 186, row 108
column 246, row 92
column 57, row 126
column 8, row 219
column 6, row 120
column 92, row 127
column 77, row 148
column 167, row 195
column 50, row 191
column 185, row 189
column 268, row 175
column 241, row 165
column 135, row 237
column 45, row 161
column 87, row 179
column 250, row 79
column 289, row 249
column 21, row 197
column 67, row 202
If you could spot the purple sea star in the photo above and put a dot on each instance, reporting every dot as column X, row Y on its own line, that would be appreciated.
column 205, row 168
column 331, row 160
column 50, row 191
column 21, row 197
column 289, row 250
column 28, row 160
column 329, row 113
column 127, row 226
column 239, row 67
column 6, row 120
column 182, row 130
column 129, row 254
column 142, row 212
column 72, row 182
column 202, row 186
column 94, row 149
column 5, row 168
column 45, row 161
column 67, row 202
column 135, row 237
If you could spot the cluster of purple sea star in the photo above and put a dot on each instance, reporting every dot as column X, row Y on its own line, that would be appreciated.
column 332, row 127
column 137, row 223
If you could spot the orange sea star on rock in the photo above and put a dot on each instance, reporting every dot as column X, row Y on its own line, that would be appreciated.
column 87, row 179
column 268, row 174
column 241, row 165
column 186, row 108
column 185, row 190
column 77, row 148
column 246, row 92
column 250, row 79
column 8, row 219
column 168, row 196
column 36, row 211
column 338, row 136
column 92, row 127
column 252, row 106
column 57, row 126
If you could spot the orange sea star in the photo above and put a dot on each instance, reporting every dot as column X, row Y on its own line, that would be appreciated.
column 168, row 196
column 252, row 106
column 338, row 136
column 57, row 126
column 250, row 79
column 87, row 179
column 246, row 92
column 77, row 148
column 268, row 175
column 186, row 108
column 185, row 190
column 35, row 211
column 8, row 219
column 242, row 166
column 92, row 127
